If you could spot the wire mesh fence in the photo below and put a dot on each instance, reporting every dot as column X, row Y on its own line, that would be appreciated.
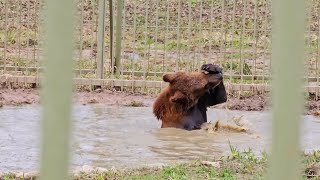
column 159, row 37
column 156, row 37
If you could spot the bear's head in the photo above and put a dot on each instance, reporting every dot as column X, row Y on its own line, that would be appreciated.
column 187, row 88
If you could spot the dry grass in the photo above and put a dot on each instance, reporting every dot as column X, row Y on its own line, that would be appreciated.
column 209, row 31
column 237, row 165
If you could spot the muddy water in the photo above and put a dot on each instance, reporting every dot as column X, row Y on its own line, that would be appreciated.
column 113, row 136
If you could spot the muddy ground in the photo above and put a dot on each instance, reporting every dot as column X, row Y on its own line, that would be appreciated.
column 14, row 97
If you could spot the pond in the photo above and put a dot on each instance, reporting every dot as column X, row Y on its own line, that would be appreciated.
column 122, row 137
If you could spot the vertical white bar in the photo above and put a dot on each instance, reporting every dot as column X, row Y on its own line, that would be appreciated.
column 57, row 89
column 287, row 99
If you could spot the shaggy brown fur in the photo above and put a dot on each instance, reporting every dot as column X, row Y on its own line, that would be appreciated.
column 177, row 104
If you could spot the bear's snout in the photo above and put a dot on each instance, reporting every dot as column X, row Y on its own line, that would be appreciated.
column 220, row 76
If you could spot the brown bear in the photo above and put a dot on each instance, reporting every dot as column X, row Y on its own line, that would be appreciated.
column 183, row 104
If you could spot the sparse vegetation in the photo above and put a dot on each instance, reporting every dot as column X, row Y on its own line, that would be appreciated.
column 237, row 165
column 162, row 41
column 135, row 104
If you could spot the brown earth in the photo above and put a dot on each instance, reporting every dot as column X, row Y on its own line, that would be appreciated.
column 14, row 97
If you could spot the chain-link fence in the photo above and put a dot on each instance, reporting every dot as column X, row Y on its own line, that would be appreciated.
column 156, row 37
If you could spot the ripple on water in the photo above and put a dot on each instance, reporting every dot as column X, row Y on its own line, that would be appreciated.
column 107, row 136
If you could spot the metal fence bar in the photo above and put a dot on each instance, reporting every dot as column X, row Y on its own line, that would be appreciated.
column 127, row 84
column 57, row 90
column 165, row 67
column 135, row 52
column 193, row 32
column 178, row 59
column 16, row 61
column 81, row 24
column 269, row 45
column 111, row 34
column 210, row 59
column 241, row 59
column 101, row 40
column 255, row 41
column 118, row 35
column 38, row 62
column 29, row 27
column 5, row 35
column 146, row 34
column 123, row 22
column 200, row 28
column 307, row 45
column 204, row 28
column 222, row 40
column 318, row 56
column 156, row 33
column 36, row 33
column 232, row 39
column 94, row 24
column 287, row 48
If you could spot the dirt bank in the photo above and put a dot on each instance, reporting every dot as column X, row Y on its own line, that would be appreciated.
column 16, row 97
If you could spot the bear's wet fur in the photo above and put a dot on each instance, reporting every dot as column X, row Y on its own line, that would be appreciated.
column 183, row 104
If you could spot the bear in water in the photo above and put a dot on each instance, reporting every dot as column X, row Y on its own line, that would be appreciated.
column 183, row 104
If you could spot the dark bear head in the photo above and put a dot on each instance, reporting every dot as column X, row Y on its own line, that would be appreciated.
column 187, row 88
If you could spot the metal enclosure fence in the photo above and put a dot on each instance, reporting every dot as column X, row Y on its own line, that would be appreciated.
column 161, row 36
column 156, row 37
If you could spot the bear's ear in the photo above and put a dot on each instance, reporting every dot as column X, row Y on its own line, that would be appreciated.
column 169, row 77
column 179, row 97
column 172, row 76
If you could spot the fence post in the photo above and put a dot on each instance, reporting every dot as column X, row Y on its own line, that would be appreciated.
column 287, row 97
column 118, row 35
column 101, row 40
column 111, row 34
column 57, row 89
